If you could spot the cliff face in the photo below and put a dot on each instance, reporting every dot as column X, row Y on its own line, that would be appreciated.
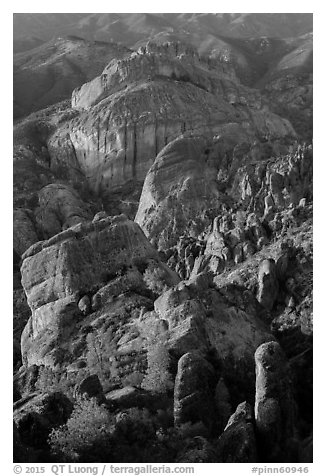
column 75, row 264
column 173, row 60
column 195, row 179
column 140, row 104
column 181, row 180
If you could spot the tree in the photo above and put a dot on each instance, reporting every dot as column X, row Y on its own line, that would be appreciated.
column 85, row 436
column 158, row 377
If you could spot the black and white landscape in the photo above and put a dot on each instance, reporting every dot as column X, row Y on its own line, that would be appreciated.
column 162, row 236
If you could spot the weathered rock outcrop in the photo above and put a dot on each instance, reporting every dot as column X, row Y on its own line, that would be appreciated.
column 269, row 186
column 196, row 179
column 91, row 388
column 182, row 180
column 267, row 284
column 49, row 73
column 143, row 102
column 21, row 314
column 237, row 444
column 60, row 207
column 274, row 405
column 36, row 415
column 24, row 230
column 227, row 217
column 173, row 60
column 79, row 261
column 225, row 321
column 194, row 391
column 129, row 397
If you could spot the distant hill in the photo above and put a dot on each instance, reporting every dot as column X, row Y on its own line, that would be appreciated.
column 262, row 49
column 130, row 28
column 49, row 73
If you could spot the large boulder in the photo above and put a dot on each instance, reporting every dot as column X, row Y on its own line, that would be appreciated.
column 181, row 182
column 194, row 391
column 60, row 207
column 275, row 408
column 234, row 328
column 48, row 74
column 90, row 387
column 268, row 285
column 21, row 454
column 237, row 444
column 36, row 415
column 79, row 261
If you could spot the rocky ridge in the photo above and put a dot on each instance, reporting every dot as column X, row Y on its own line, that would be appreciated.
column 52, row 70
column 175, row 326
column 115, row 140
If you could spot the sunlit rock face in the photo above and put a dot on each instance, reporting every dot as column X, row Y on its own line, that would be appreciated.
column 58, row 272
column 182, row 180
column 143, row 102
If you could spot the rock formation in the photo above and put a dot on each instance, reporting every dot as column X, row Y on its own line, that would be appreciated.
column 193, row 391
column 176, row 323
column 50, row 72
column 274, row 404
column 141, row 103
column 181, row 180
column 267, row 284
column 60, row 207
column 78, row 261
column 237, row 443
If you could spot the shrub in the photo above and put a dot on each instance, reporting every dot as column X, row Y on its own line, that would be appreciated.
column 85, row 436
column 154, row 278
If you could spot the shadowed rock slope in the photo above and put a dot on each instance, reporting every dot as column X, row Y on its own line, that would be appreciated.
column 48, row 73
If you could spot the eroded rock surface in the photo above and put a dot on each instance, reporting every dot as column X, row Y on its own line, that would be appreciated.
column 60, row 207
column 24, row 230
column 141, row 103
column 274, row 405
column 237, row 444
column 78, row 261
column 202, row 317
column 214, row 277
column 193, row 391
column 36, row 415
